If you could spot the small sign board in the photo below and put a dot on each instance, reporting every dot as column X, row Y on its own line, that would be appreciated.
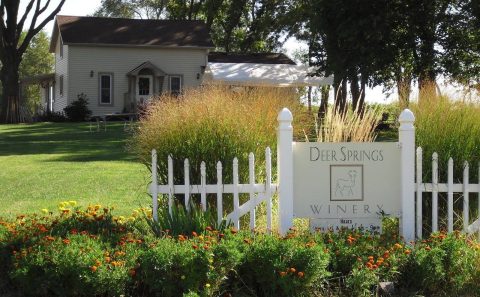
column 346, row 184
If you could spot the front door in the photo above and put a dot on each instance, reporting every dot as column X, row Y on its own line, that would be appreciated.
column 144, row 88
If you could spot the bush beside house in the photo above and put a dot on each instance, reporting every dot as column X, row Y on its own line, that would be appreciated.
column 78, row 110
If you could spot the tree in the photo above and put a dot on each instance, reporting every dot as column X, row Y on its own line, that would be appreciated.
column 36, row 60
column 13, row 47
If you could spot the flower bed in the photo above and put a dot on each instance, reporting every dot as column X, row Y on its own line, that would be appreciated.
column 90, row 252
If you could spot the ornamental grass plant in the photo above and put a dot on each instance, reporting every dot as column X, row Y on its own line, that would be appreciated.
column 348, row 125
column 212, row 124
column 450, row 128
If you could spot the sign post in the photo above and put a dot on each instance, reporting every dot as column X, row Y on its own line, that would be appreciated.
column 285, row 170
column 406, row 135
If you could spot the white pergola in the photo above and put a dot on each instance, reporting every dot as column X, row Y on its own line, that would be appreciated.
column 267, row 75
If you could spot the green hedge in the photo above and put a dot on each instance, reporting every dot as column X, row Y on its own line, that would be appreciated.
column 90, row 252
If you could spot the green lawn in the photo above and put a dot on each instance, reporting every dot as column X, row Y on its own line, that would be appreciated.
column 46, row 163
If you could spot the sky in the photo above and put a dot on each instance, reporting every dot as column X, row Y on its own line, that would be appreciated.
column 87, row 7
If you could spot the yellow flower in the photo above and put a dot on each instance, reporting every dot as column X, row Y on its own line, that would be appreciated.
column 72, row 202
column 207, row 285
column 45, row 210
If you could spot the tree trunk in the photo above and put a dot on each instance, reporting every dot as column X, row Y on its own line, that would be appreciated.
column 309, row 99
column 403, row 89
column 361, row 99
column 324, row 96
column 355, row 90
column 340, row 87
column 10, row 111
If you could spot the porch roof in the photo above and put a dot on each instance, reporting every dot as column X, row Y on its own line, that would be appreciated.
column 146, row 65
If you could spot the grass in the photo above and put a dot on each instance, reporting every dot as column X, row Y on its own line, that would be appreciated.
column 45, row 163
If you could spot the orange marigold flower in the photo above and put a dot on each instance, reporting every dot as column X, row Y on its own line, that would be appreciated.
column 407, row 252
column 428, row 248
column 293, row 270
column 234, row 231
column 300, row 274
column 132, row 272
column 208, row 228
column 194, row 234
column 398, row 246
column 66, row 241
column 73, row 231
column 195, row 246
column 93, row 268
column 107, row 259
column 283, row 273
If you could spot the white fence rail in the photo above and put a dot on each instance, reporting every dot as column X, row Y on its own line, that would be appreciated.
column 450, row 188
column 257, row 192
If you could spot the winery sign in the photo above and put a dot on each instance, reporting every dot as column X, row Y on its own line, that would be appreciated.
column 346, row 184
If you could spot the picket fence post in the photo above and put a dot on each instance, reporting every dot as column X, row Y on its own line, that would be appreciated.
column 285, row 170
column 406, row 136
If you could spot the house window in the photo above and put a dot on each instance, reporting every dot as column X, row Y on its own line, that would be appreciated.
column 175, row 85
column 106, row 88
column 61, row 85
column 61, row 50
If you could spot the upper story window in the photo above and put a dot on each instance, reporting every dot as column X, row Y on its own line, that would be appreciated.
column 175, row 85
column 106, row 88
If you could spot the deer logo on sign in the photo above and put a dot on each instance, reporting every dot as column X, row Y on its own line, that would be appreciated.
column 344, row 187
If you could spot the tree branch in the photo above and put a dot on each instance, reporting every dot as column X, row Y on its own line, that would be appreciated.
column 34, row 30
column 42, row 10
column 24, row 17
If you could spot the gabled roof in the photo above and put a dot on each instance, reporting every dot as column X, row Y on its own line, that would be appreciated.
column 146, row 65
column 254, row 58
column 131, row 32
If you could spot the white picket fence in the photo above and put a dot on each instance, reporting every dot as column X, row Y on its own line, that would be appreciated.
column 450, row 188
column 257, row 192
column 412, row 185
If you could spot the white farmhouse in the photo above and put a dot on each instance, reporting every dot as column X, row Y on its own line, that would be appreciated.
column 120, row 63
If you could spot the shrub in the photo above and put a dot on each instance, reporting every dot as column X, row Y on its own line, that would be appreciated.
column 78, row 110
column 274, row 267
column 444, row 265
column 51, row 116
column 85, row 252
column 214, row 124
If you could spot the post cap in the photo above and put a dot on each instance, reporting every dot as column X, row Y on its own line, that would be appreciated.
column 285, row 115
column 406, row 116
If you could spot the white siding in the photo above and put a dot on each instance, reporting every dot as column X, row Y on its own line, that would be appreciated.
column 61, row 68
column 121, row 60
